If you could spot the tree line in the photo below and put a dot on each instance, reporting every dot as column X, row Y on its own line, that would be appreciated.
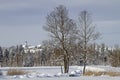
column 52, row 55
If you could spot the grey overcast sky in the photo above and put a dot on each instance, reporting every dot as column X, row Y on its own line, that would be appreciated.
column 22, row 20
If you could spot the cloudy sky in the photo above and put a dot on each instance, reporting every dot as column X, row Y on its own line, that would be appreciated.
column 22, row 20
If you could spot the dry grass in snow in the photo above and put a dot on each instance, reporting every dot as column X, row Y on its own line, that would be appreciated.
column 16, row 72
column 94, row 73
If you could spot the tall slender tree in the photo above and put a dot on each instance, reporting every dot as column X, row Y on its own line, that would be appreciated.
column 87, row 33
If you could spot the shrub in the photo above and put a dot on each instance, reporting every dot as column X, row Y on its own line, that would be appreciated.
column 115, row 58
column 16, row 72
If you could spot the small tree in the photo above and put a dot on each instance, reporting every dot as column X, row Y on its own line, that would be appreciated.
column 1, row 56
column 6, row 57
column 62, row 30
column 87, row 33
column 47, row 48
column 115, row 57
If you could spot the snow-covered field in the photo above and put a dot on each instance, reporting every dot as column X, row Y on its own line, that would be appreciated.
column 66, row 78
column 54, row 73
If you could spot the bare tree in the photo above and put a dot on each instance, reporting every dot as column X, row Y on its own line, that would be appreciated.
column 87, row 33
column 62, row 30
column 1, row 56
column 114, row 56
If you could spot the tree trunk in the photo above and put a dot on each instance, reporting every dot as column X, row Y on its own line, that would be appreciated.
column 84, row 63
column 61, row 69
column 84, row 67
column 66, row 64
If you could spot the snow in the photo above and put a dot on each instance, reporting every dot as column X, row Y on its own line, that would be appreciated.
column 54, row 73
column 65, row 78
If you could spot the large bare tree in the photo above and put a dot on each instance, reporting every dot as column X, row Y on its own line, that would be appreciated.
column 87, row 33
column 62, row 30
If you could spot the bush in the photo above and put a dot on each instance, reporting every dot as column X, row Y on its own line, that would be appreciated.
column 115, row 58
column 16, row 72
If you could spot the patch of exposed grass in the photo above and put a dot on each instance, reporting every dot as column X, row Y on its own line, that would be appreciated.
column 12, row 72
column 113, row 73
column 93, row 73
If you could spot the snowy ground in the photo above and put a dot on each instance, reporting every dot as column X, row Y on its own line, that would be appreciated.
column 54, row 73
column 66, row 78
